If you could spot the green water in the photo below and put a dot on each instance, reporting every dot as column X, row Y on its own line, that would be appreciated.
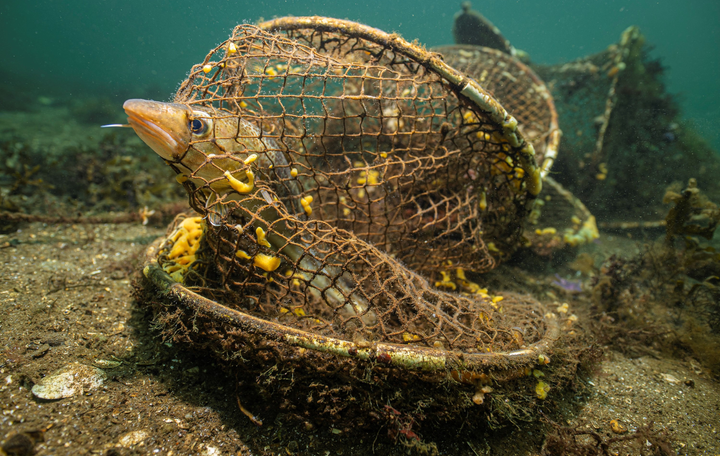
column 115, row 47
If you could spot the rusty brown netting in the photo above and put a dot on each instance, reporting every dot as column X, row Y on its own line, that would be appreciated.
column 558, row 218
column 520, row 91
column 347, row 181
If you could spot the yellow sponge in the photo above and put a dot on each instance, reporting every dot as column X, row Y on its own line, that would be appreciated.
column 184, row 242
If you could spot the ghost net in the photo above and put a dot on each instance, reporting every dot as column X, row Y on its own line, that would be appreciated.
column 360, row 178
column 557, row 218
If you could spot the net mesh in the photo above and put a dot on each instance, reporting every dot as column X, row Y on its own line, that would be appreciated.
column 558, row 218
column 347, row 181
column 519, row 90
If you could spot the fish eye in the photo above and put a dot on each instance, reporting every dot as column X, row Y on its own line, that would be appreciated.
column 200, row 123
column 198, row 126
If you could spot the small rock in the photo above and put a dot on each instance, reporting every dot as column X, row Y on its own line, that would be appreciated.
column 118, row 274
column 211, row 451
column 40, row 352
column 18, row 445
column 132, row 438
column 696, row 367
column 54, row 341
column 72, row 379
column 107, row 364
column 670, row 378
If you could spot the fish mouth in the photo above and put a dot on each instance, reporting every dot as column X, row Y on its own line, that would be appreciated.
column 162, row 126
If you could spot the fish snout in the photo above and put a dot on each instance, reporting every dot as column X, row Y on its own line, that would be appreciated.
column 162, row 126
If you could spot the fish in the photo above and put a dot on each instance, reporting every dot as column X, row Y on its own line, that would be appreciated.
column 185, row 137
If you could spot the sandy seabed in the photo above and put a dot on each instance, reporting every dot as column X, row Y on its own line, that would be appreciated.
column 66, row 297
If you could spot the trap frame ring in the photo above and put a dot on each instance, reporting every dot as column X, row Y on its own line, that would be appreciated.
column 409, row 357
column 554, row 132
column 456, row 80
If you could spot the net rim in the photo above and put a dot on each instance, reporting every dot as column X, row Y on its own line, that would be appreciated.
column 458, row 81
column 409, row 357
column 553, row 141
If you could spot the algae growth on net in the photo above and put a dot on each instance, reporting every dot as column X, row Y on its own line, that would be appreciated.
column 349, row 187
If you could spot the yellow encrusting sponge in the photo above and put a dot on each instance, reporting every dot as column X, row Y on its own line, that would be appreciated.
column 267, row 262
column 183, row 245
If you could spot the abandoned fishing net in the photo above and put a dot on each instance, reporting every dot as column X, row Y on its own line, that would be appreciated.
column 558, row 218
column 586, row 90
column 520, row 91
column 347, row 182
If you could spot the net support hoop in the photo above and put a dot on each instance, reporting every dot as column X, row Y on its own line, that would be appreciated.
column 410, row 357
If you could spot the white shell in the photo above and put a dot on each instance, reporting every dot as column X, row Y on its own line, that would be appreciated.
column 132, row 438
column 72, row 379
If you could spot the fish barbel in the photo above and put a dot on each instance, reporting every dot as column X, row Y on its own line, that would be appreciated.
column 205, row 146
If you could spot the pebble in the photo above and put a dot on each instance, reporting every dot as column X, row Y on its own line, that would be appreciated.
column 107, row 364
column 72, row 379
column 211, row 451
column 132, row 438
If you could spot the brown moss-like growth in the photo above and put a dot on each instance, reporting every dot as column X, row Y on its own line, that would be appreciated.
column 309, row 386
column 692, row 214
column 667, row 297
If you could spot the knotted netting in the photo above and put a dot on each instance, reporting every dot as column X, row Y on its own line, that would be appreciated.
column 346, row 180
column 521, row 92
column 558, row 218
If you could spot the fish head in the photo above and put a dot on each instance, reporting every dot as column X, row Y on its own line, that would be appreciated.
column 201, row 141
column 162, row 126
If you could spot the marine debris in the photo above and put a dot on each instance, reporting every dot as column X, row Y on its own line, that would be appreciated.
column 624, row 140
column 558, row 220
column 471, row 27
column 328, row 241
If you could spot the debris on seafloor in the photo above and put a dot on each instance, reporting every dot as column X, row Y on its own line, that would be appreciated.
column 72, row 379
column 623, row 134
column 310, row 273
column 558, row 221
column 132, row 438
column 471, row 27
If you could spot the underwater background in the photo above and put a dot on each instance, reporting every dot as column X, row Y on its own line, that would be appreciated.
column 57, row 48
column 636, row 292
